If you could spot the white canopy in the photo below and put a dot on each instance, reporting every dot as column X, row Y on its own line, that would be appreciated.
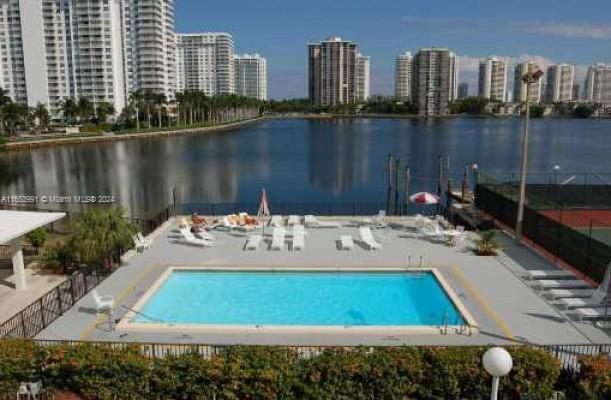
column 14, row 224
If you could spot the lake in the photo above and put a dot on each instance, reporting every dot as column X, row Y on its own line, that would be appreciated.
column 339, row 160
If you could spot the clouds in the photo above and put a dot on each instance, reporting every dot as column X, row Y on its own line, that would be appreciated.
column 569, row 30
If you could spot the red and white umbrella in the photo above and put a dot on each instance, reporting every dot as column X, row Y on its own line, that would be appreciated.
column 424, row 198
column 263, row 204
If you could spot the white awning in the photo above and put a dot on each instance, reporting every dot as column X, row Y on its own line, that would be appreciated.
column 14, row 224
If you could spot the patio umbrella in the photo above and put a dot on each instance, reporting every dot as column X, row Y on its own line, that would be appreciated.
column 424, row 198
column 263, row 204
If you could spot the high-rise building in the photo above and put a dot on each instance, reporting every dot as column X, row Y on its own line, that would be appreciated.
column 98, row 49
column 206, row 62
column 576, row 91
column 362, row 77
column 493, row 79
column 403, row 77
column 598, row 83
column 332, row 71
column 560, row 79
column 435, row 80
column 463, row 90
column 519, row 87
column 250, row 76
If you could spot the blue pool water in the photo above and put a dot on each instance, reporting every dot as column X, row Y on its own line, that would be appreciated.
column 300, row 298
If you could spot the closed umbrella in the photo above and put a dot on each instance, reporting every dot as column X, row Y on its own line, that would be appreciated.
column 424, row 198
column 263, row 206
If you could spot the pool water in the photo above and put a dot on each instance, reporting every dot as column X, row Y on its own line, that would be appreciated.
column 299, row 298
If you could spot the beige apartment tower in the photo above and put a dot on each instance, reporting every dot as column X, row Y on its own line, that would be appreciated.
column 519, row 88
column 598, row 84
column 493, row 79
column 560, row 80
column 434, row 81
column 403, row 77
column 332, row 68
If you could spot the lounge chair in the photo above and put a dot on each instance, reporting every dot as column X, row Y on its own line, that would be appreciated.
column 204, row 236
column 346, row 242
column 253, row 242
column 277, row 239
column 298, row 237
column 596, row 299
column 103, row 304
column 548, row 274
column 312, row 222
column 559, row 284
column 592, row 313
column 276, row 221
column 293, row 220
column 367, row 237
column 562, row 293
column 191, row 239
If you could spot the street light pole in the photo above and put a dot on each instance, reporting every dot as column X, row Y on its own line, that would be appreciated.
column 529, row 79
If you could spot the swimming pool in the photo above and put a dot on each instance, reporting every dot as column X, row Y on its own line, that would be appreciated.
column 298, row 298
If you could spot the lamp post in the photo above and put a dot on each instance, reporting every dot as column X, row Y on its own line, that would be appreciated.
column 556, row 169
column 529, row 79
column 497, row 362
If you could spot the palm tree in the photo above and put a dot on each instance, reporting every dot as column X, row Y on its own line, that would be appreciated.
column 100, row 232
column 16, row 115
column 4, row 100
column 160, row 101
column 149, row 100
column 136, row 102
column 85, row 109
column 103, row 110
column 42, row 118
column 69, row 109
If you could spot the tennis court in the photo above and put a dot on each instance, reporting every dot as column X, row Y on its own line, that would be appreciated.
column 582, row 220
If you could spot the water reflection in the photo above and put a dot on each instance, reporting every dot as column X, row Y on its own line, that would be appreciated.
column 297, row 160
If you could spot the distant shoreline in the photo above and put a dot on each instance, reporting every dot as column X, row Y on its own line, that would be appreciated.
column 85, row 139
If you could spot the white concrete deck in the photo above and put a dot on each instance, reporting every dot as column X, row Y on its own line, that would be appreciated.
column 503, row 306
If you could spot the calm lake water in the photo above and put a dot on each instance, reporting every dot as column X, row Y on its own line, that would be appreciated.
column 298, row 160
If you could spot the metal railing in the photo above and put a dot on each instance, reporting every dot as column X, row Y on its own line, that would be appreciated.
column 567, row 354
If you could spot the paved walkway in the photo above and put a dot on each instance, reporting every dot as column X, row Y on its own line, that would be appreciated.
column 12, row 301
column 503, row 306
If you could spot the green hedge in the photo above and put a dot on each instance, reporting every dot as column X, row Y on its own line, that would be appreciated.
column 100, row 372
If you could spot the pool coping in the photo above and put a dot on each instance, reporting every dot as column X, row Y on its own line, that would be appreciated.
column 470, row 326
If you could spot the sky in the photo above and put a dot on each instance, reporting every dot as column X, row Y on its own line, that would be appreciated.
column 548, row 31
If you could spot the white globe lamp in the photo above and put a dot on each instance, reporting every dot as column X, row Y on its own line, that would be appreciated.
column 497, row 362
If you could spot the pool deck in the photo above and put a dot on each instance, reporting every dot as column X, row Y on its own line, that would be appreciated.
column 504, row 307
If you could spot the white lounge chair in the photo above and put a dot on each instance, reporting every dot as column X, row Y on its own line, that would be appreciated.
column 379, row 219
column 276, row 221
column 103, row 304
column 191, row 239
column 346, row 242
column 592, row 313
column 298, row 237
column 277, row 239
column 253, row 242
column 559, row 284
column 205, row 236
column 367, row 237
column 548, row 274
column 596, row 299
column 312, row 222
column 562, row 293
column 293, row 220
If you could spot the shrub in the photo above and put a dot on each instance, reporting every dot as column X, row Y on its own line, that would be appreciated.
column 99, row 372
column 37, row 237
column 593, row 381
column 103, row 372
column 487, row 244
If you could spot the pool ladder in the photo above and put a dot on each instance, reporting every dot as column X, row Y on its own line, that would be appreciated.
column 445, row 322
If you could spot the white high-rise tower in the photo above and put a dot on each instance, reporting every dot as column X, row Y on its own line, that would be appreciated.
column 403, row 77
column 493, row 79
column 250, row 76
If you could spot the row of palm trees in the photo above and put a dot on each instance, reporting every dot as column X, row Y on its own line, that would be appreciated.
column 191, row 107
column 145, row 109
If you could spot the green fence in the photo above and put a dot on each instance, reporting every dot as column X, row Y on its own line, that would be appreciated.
column 578, row 249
